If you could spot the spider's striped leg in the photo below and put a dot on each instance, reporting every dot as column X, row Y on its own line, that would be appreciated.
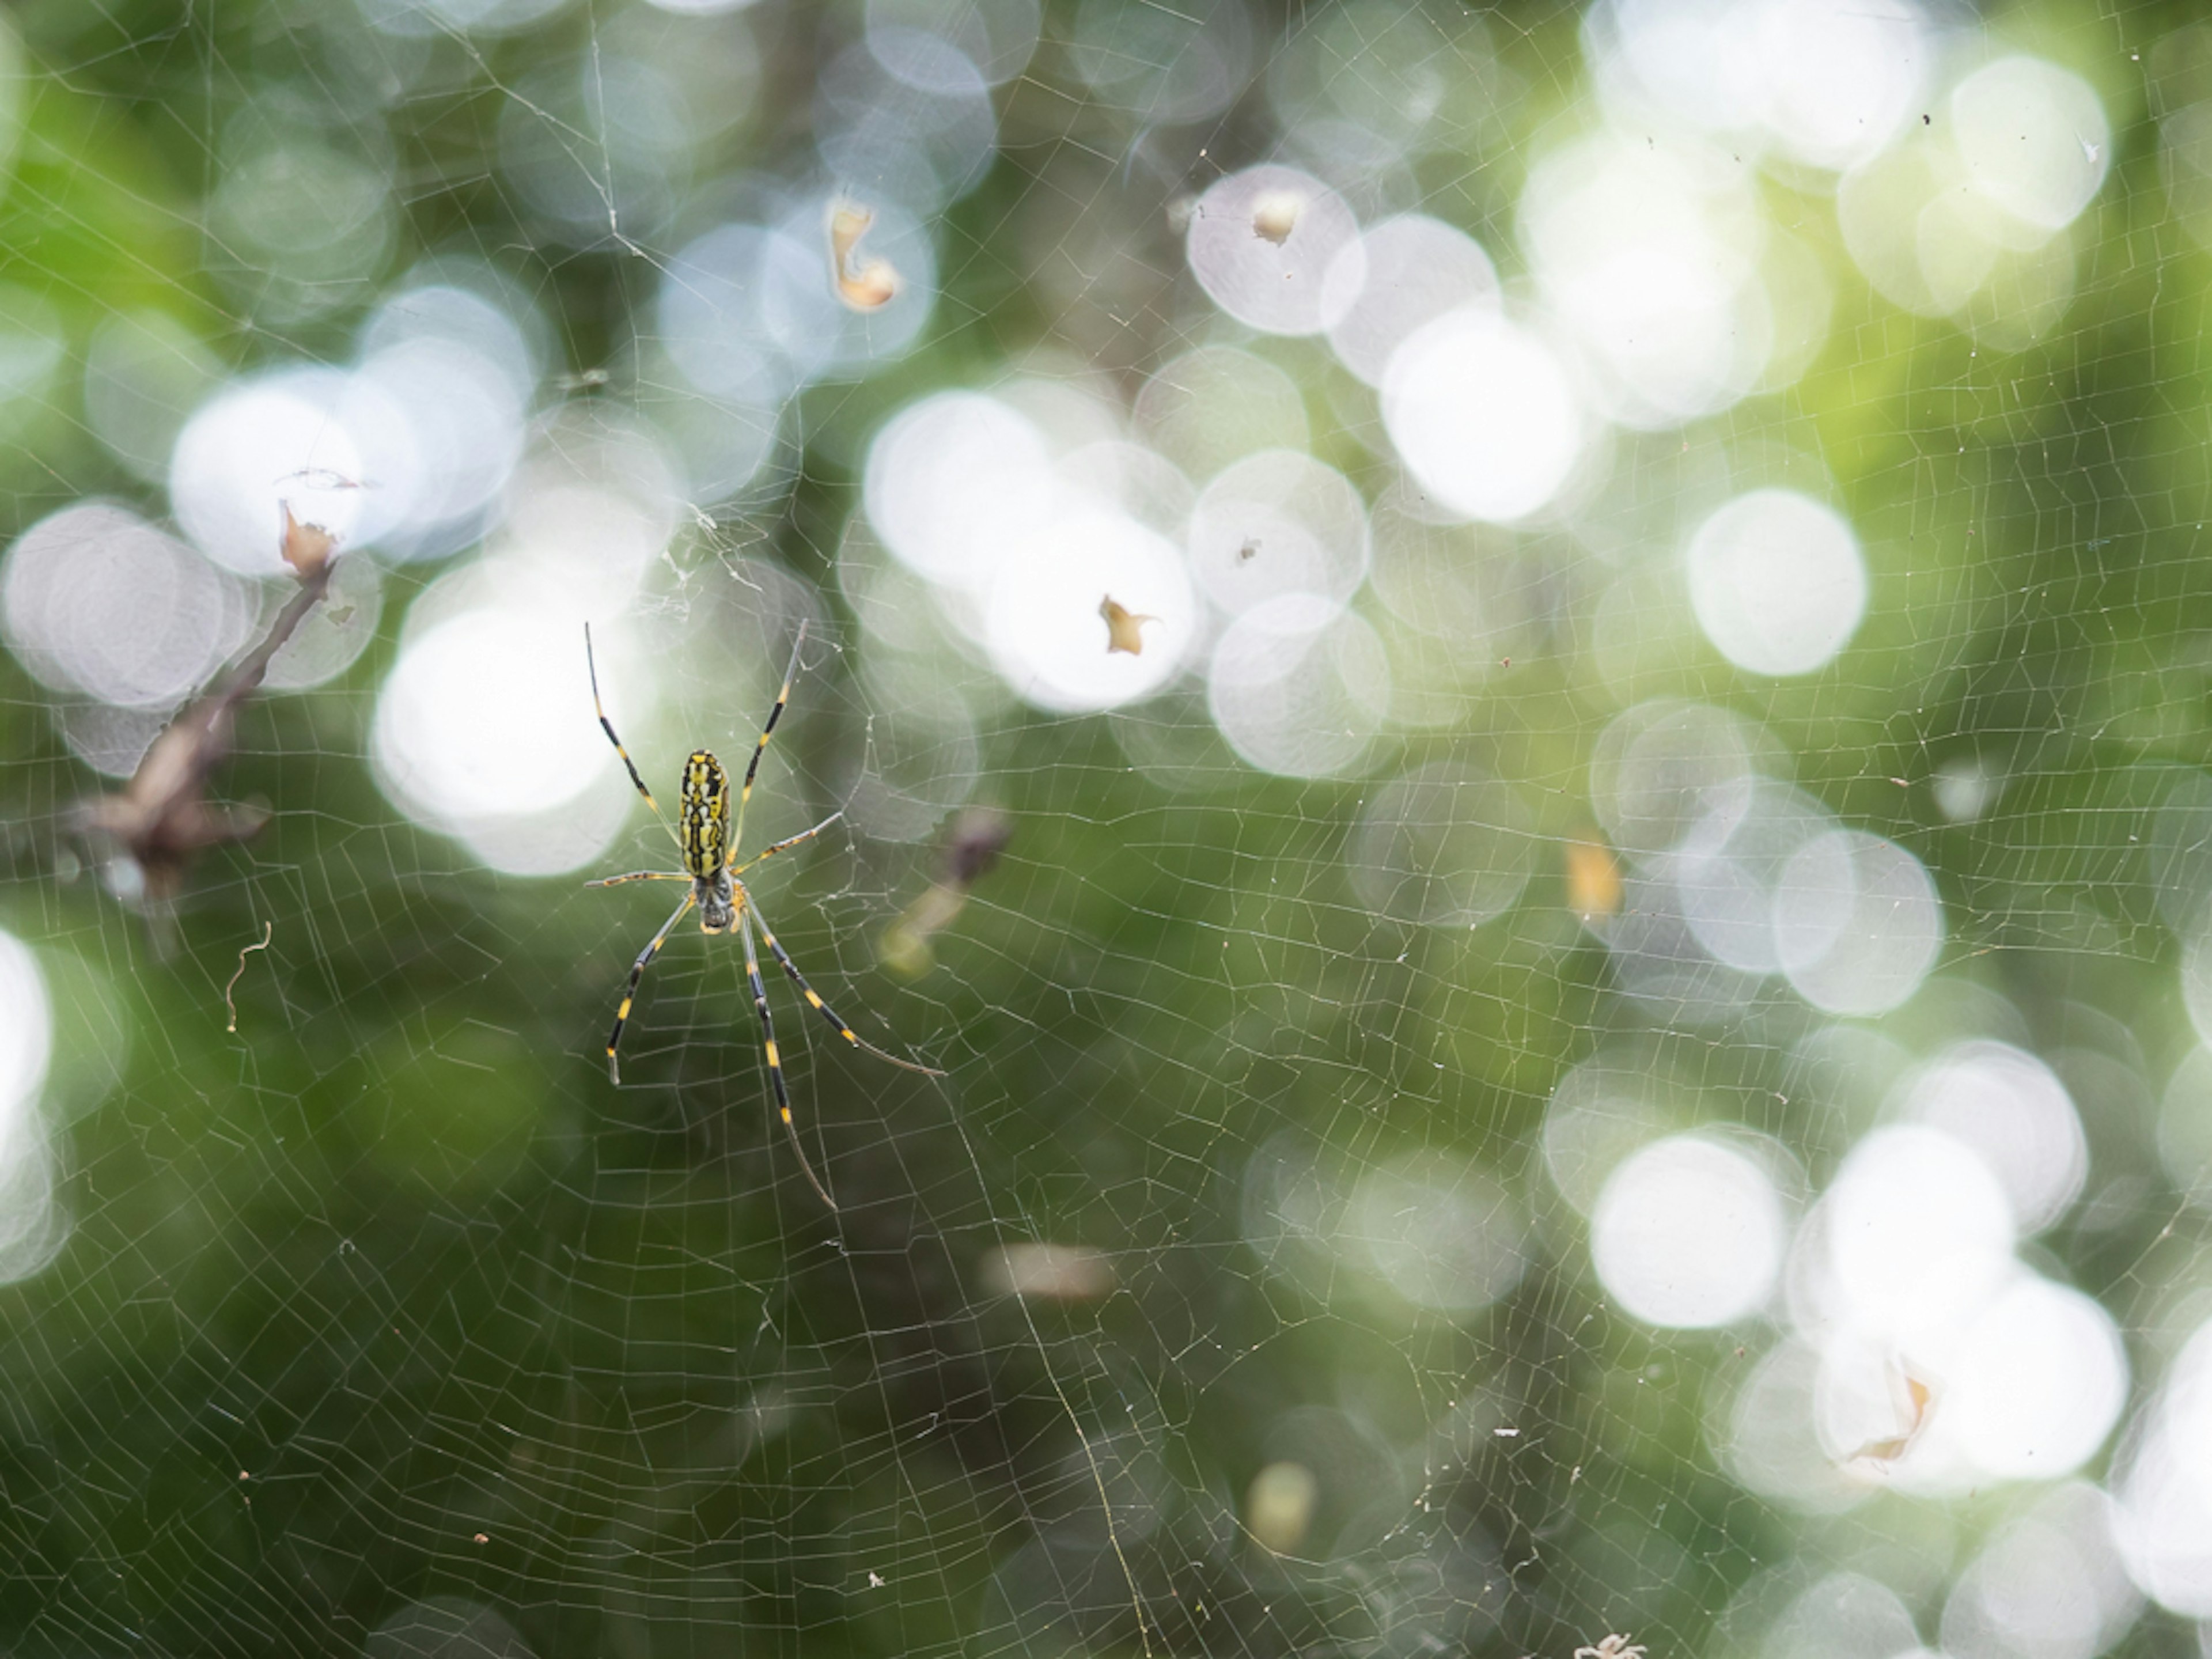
column 737, row 869
column 637, row 972
column 815, row 1002
column 768, row 731
column 640, row 875
column 608, row 726
column 775, row 1060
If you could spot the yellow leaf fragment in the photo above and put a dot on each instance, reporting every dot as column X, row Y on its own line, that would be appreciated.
column 868, row 287
column 1919, row 1406
column 1124, row 628
column 1592, row 880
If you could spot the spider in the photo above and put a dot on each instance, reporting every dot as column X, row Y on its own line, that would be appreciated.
column 1612, row 1647
column 708, row 846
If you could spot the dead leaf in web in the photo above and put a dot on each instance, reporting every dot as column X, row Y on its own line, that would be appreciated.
column 1592, row 880
column 979, row 836
column 1049, row 1273
column 1919, row 1406
column 869, row 286
column 1275, row 215
column 1124, row 628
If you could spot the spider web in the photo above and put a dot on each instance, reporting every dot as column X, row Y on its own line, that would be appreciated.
column 1597, row 1038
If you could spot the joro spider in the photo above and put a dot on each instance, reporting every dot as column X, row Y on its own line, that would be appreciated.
column 709, row 845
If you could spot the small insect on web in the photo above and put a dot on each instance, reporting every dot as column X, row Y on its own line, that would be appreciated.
column 708, row 844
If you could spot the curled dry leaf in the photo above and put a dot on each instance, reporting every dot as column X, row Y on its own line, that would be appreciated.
column 1124, row 628
column 1919, row 1406
column 868, row 287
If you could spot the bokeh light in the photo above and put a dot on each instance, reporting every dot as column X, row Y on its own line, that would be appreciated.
column 997, row 36
column 1651, row 263
column 1441, row 1235
column 1777, row 582
column 547, row 797
column 1042, row 613
column 1207, row 407
column 1443, row 846
column 1278, row 523
column 1485, row 414
column 1859, row 923
column 1405, row 271
column 32, row 1224
column 2049, row 1586
column 1168, row 65
column 1298, row 688
column 95, row 601
column 1689, row 1233
column 2163, row 1491
column 2013, row 1110
column 1277, row 249
column 1826, row 82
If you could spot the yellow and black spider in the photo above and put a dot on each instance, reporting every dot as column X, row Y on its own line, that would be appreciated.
column 708, row 846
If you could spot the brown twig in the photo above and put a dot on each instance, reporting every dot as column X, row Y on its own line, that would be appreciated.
column 159, row 820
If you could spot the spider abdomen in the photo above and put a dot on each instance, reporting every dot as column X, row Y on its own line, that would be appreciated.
column 703, row 822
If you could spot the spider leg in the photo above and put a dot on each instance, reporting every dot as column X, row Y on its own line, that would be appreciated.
column 640, row 875
column 737, row 869
column 637, row 972
column 775, row 1060
column 607, row 726
column 815, row 1002
column 768, row 731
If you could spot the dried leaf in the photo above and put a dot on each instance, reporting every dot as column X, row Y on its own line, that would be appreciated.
column 1592, row 880
column 1049, row 1273
column 1920, row 1404
column 306, row 547
column 870, row 287
column 979, row 836
column 1275, row 215
column 1124, row 629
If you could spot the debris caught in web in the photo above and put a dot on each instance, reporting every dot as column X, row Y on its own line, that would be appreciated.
column 268, row 933
column 1275, row 215
column 1919, row 1406
column 979, row 836
column 160, row 819
column 1594, row 885
column 1049, row 1273
column 1124, row 628
column 868, row 287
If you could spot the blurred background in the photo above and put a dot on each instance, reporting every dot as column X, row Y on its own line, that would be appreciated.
column 1519, row 696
